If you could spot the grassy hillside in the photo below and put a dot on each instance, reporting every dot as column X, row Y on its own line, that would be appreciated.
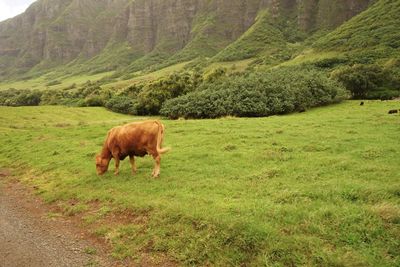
column 261, row 37
column 373, row 33
column 318, row 189
column 89, row 37
column 56, row 80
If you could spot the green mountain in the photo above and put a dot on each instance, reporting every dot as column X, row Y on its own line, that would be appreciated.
column 374, row 33
column 92, row 36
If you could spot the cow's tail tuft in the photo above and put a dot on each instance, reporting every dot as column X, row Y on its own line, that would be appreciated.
column 160, row 137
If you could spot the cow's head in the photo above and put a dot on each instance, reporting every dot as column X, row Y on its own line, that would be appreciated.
column 101, row 165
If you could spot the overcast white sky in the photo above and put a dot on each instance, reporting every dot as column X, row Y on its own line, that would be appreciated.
column 11, row 8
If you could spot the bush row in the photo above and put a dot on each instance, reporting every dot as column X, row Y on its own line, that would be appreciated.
column 138, row 99
column 148, row 99
column 251, row 94
column 278, row 91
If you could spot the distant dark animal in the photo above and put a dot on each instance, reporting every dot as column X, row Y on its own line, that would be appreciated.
column 362, row 103
column 393, row 111
column 133, row 139
column 302, row 110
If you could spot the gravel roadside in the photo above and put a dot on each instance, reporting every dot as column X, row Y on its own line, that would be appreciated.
column 28, row 237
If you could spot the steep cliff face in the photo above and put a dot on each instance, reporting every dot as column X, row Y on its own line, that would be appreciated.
column 55, row 32
column 327, row 14
column 160, row 24
column 24, row 39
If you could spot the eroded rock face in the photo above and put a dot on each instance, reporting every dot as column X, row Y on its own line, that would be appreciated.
column 171, row 24
column 54, row 32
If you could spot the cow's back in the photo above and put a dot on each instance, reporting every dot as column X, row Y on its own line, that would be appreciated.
column 135, row 139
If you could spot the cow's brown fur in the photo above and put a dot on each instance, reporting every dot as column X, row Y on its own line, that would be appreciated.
column 133, row 139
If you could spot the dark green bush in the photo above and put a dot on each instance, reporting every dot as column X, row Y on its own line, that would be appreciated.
column 278, row 91
column 121, row 104
column 13, row 97
column 369, row 81
column 53, row 97
column 30, row 99
column 151, row 97
column 132, row 91
column 330, row 62
column 94, row 101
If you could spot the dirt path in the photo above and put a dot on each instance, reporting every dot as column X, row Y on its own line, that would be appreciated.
column 28, row 237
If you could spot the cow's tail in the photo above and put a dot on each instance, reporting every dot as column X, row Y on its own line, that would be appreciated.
column 160, row 137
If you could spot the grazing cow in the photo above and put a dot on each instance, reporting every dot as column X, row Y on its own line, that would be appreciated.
column 393, row 111
column 132, row 139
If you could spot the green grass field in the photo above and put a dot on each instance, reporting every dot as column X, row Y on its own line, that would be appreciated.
column 320, row 188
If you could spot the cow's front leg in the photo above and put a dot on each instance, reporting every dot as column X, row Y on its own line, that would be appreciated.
column 116, row 166
column 133, row 166
column 156, row 171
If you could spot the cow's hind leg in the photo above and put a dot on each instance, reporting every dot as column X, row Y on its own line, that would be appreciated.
column 133, row 166
column 156, row 171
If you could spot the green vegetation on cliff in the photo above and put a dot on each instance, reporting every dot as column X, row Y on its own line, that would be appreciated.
column 80, row 36
column 262, row 36
column 373, row 35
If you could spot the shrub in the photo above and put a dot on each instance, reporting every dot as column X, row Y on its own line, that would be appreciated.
column 13, row 97
column 53, row 97
column 368, row 81
column 330, row 62
column 29, row 99
column 151, row 97
column 277, row 91
column 94, row 101
column 216, row 74
column 87, row 95
column 121, row 104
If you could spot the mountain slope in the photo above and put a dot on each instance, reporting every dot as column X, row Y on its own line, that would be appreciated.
column 374, row 31
column 81, row 36
column 261, row 36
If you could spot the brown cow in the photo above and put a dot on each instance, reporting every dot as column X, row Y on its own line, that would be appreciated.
column 133, row 139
